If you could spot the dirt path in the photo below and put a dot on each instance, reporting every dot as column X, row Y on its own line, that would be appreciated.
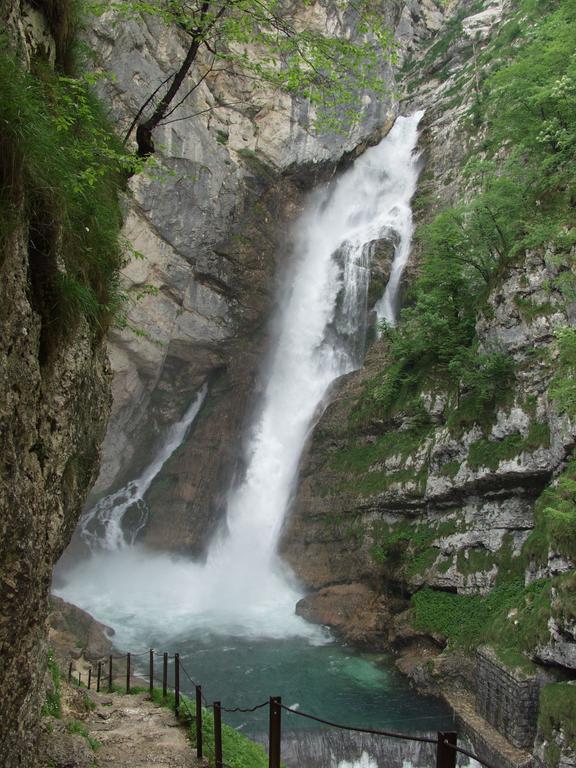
column 136, row 733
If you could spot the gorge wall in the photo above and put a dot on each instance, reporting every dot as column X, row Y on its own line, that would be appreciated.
column 211, row 225
column 54, row 384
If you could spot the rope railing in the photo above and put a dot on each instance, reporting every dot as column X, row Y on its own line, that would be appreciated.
column 246, row 709
column 446, row 742
column 373, row 731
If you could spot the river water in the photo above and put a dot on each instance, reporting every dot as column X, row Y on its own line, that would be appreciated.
column 232, row 618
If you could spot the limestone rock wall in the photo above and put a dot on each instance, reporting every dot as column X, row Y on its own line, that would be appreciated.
column 211, row 225
column 475, row 509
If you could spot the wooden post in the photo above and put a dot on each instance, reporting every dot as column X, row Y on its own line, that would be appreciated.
column 445, row 755
column 151, row 671
column 275, row 733
column 70, row 672
column 199, row 743
column 165, row 676
column 110, row 673
column 89, row 678
column 176, row 682
column 98, row 677
column 217, row 735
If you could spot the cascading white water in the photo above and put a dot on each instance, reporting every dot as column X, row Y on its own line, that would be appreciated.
column 101, row 526
column 398, row 154
column 243, row 588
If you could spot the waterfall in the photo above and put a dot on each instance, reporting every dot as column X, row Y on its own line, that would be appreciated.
column 101, row 526
column 319, row 338
column 243, row 589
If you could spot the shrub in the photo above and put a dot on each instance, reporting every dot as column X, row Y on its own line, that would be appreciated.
column 61, row 164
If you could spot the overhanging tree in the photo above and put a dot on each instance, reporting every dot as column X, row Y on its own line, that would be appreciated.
column 274, row 45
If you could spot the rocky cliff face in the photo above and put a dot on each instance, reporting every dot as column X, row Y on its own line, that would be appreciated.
column 426, row 497
column 54, row 403
column 212, row 227
column 415, row 479
column 441, row 501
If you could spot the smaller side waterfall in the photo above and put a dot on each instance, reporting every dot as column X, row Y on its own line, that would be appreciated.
column 402, row 164
column 101, row 527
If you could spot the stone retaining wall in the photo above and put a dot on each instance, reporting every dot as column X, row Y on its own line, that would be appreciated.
column 508, row 700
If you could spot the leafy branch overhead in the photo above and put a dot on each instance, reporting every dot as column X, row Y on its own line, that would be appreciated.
column 269, row 45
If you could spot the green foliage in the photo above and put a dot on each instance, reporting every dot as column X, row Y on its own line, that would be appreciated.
column 361, row 456
column 476, row 560
column 557, row 713
column 59, row 158
column 485, row 383
column 489, row 453
column 528, row 101
column 511, row 617
column 238, row 751
column 450, row 469
column 274, row 46
column 563, row 385
column 515, row 660
column 555, row 520
column 381, row 481
column 526, row 178
column 53, row 704
column 407, row 549
column 76, row 726
column 530, row 310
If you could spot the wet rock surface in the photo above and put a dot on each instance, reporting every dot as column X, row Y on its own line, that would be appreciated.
column 212, row 230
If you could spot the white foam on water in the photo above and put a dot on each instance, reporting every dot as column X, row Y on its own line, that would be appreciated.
column 365, row 761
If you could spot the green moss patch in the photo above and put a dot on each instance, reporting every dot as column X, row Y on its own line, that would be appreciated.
column 511, row 616
column 530, row 310
column 563, row 386
column 360, row 457
column 407, row 549
column 555, row 520
column 489, row 453
column 557, row 714
column 379, row 482
column 450, row 469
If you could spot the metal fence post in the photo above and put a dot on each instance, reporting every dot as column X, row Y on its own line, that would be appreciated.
column 98, row 677
column 199, row 744
column 110, row 673
column 89, row 678
column 176, row 682
column 70, row 672
column 128, row 659
column 151, row 671
column 275, row 733
column 165, row 675
column 79, row 679
column 217, row 735
column 445, row 756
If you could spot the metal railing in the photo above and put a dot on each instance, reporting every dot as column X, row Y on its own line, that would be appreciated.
column 446, row 742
